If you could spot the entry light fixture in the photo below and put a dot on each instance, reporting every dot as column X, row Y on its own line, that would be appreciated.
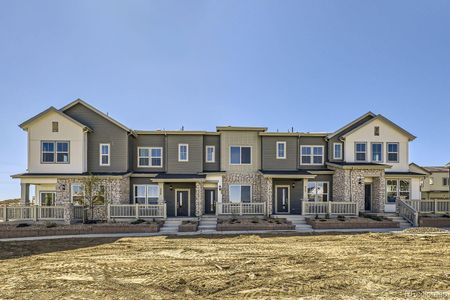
column 360, row 180
column 220, row 187
column 293, row 185
column 170, row 187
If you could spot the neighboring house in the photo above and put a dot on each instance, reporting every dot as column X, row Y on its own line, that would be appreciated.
column 366, row 161
column 435, row 185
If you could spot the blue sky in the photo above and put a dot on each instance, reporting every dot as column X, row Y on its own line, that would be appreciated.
column 314, row 65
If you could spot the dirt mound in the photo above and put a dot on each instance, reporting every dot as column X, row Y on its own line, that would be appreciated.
column 424, row 230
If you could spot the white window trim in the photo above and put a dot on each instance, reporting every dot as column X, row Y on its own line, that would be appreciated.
column 55, row 152
column 240, row 192
column 387, row 152
column 240, row 155
column 179, row 153
column 398, row 188
column 277, row 150
column 46, row 192
column 149, row 158
column 101, row 154
column 71, row 190
column 213, row 154
column 334, row 151
column 371, row 152
column 146, row 192
column 312, row 155
column 316, row 196
column 365, row 153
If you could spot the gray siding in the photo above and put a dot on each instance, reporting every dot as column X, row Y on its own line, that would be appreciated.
column 195, row 163
column 313, row 141
column 148, row 140
column 269, row 154
column 296, row 195
column 103, row 132
column 169, row 196
column 211, row 140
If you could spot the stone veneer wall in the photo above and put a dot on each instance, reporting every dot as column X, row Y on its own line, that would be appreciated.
column 117, row 189
column 199, row 198
column 252, row 179
column 346, row 187
column 266, row 193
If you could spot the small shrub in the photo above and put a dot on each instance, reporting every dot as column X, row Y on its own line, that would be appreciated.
column 138, row 221
column 255, row 220
column 90, row 222
column 341, row 218
column 316, row 217
column 51, row 225
column 22, row 225
column 327, row 216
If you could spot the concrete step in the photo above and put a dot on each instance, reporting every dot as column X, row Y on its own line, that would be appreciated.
column 207, row 227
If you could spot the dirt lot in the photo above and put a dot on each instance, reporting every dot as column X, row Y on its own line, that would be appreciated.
column 326, row 266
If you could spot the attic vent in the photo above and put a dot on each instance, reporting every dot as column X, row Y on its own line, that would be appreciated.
column 377, row 130
column 55, row 126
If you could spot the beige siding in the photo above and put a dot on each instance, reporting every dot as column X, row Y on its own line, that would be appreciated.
column 240, row 138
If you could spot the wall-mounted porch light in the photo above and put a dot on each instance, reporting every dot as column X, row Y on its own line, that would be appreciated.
column 170, row 187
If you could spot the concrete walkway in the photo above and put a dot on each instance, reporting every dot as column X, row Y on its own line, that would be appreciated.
column 199, row 233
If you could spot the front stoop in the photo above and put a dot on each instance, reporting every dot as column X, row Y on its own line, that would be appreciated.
column 208, row 224
column 396, row 218
column 299, row 222
column 171, row 225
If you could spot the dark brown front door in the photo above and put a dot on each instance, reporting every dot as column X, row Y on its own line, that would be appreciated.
column 182, row 201
column 282, row 197
column 367, row 197
column 210, row 201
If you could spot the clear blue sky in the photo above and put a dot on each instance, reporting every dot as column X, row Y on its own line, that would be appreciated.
column 314, row 65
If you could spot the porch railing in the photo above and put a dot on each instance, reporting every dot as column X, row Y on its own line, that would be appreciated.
column 78, row 212
column 137, row 211
column 329, row 207
column 408, row 212
column 241, row 208
column 31, row 213
column 438, row 206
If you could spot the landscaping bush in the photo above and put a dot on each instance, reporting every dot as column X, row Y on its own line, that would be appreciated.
column 51, row 225
column 22, row 225
column 138, row 221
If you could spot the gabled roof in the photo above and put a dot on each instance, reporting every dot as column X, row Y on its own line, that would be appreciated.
column 434, row 169
column 422, row 169
column 382, row 118
column 88, row 106
column 371, row 114
column 25, row 124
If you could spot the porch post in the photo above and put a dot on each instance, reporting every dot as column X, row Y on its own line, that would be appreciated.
column 24, row 194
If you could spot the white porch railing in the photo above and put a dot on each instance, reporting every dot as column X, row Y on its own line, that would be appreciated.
column 241, row 208
column 438, row 206
column 31, row 213
column 78, row 212
column 329, row 207
column 137, row 211
column 408, row 212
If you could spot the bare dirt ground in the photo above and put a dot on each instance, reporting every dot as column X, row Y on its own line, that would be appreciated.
column 360, row 266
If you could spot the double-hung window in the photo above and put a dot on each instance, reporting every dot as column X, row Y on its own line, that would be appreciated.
column 311, row 155
column 317, row 191
column 397, row 188
column 55, row 152
column 281, row 150
column 77, row 194
column 377, row 152
column 337, row 151
column 240, row 155
column 240, row 193
column 210, row 154
column 360, row 151
column 183, row 152
column 105, row 154
column 146, row 193
column 150, row 157
column 392, row 152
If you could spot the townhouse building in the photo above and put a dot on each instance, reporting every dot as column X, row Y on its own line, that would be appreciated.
column 200, row 172
column 436, row 185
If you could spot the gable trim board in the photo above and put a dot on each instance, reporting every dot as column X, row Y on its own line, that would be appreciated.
column 25, row 125
column 351, row 124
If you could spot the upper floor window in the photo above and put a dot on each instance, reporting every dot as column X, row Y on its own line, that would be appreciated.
column 281, row 150
column 55, row 127
column 431, row 180
column 317, row 191
column 210, row 154
column 240, row 155
column 146, row 193
column 360, row 151
column 311, row 155
column 337, row 151
column 376, row 131
column 55, row 152
column 377, row 152
column 105, row 151
column 445, row 181
column 183, row 152
column 149, row 157
column 392, row 152
column 240, row 193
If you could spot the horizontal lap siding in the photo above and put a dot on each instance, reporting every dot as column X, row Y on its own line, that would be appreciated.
column 296, row 194
column 106, row 132
column 269, row 153
column 148, row 141
column 195, row 163
column 313, row 141
column 211, row 140
column 169, row 196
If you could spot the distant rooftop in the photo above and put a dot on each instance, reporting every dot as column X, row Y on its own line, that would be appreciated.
column 436, row 169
